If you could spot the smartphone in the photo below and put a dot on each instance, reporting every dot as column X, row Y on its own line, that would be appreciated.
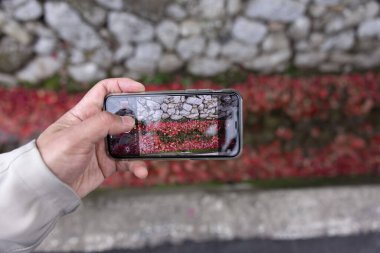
column 190, row 124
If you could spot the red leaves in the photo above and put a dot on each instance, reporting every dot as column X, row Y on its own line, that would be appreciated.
column 338, row 115
column 284, row 133
column 26, row 113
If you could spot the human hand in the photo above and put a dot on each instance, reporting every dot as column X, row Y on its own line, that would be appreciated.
column 73, row 147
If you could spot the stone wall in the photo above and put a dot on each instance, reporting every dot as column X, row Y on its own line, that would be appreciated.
column 89, row 40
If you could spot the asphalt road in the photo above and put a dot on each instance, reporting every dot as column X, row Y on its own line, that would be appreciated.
column 365, row 243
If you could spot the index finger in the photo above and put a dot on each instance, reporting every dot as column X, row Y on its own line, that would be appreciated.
column 92, row 102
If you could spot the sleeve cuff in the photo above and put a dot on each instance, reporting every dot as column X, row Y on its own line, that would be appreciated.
column 32, row 170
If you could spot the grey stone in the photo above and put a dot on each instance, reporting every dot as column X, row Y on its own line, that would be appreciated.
column 212, row 29
column 164, row 107
column 269, row 62
column 207, row 66
column 184, row 113
column 7, row 80
column 368, row 60
column 176, row 99
column 211, row 9
column 158, row 99
column 13, row 55
column 127, row 27
column 353, row 17
column 91, row 12
column 327, row 2
column 366, row 44
column 213, row 49
column 233, row 6
column 190, row 47
column 190, row 28
column 147, row 9
column 169, row 63
column 342, row 41
column 45, row 45
column 341, row 58
column 167, row 32
column 192, row 116
column 275, row 26
column 76, row 56
column 141, row 66
column 238, row 52
column 62, row 18
column 309, row 59
column 142, row 100
column 275, row 10
column 153, row 105
column 157, row 115
column 250, row 32
column 370, row 10
column 171, row 111
column 176, row 117
column 317, row 11
column 134, row 74
column 176, row 12
column 369, row 28
column 15, row 30
column 329, row 67
column 335, row 25
column 300, row 28
column 40, row 68
column 165, row 116
column 316, row 39
column 86, row 72
column 212, row 104
column 3, row 18
column 111, row 4
column 187, row 107
column 11, row 5
column 123, row 52
column 275, row 41
column 102, row 57
column 193, row 101
column 149, row 51
column 39, row 29
column 27, row 10
column 117, row 71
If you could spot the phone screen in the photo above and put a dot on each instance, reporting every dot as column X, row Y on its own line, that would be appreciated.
column 177, row 125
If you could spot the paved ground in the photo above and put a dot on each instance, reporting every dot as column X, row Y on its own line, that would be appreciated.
column 351, row 244
column 366, row 243
column 141, row 219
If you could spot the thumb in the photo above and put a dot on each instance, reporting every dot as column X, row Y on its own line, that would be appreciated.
column 98, row 126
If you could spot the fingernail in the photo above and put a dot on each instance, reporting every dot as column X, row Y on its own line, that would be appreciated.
column 129, row 121
column 140, row 172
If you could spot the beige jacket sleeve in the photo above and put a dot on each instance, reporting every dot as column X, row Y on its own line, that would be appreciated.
column 32, row 199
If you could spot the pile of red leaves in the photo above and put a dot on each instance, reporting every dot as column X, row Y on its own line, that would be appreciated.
column 172, row 136
column 293, row 127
